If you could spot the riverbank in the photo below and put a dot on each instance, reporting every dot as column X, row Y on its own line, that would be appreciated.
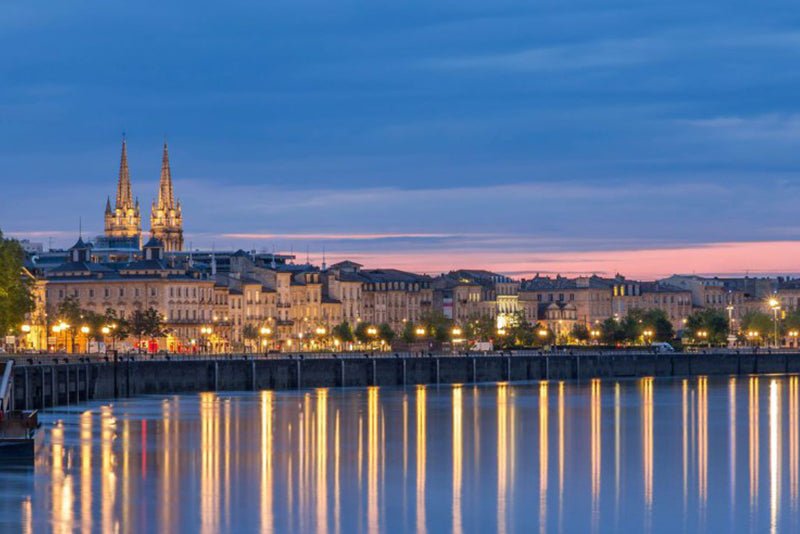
column 38, row 386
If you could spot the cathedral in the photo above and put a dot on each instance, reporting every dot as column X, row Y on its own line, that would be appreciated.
column 124, row 220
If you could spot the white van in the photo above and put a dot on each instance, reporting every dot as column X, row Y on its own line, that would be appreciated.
column 663, row 347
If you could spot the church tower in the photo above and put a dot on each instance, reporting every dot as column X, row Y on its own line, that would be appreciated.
column 166, row 220
column 124, row 219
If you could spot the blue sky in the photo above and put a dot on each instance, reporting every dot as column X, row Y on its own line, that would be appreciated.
column 435, row 129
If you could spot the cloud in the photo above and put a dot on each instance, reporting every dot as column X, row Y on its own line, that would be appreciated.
column 610, row 53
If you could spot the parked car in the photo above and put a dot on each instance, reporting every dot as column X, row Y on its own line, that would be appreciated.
column 662, row 347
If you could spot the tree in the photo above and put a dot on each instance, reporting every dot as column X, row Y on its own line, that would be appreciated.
column 119, row 327
column 438, row 324
column 15, row 288
column 409, row 334
column 654, row 320
column 249, row 333
column 580, row 332
column 362, row 334
column 519, row 332
column 343, row 332
column 612, row 331
column 386, row 333
column 713, row 322
column 480, row 329
column 147, row 323
column 759, row 324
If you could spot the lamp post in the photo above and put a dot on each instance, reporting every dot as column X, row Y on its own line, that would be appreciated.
column 775, row 305
column 85, row 331
column 647, row 335
column 595, row 335
column 206, row 332
column 703, row 334
column 372, row 332
column 265, row 332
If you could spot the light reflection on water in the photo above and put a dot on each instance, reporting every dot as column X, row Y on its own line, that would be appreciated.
column 713, row 454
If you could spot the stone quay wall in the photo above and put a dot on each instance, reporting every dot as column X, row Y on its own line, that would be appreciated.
column 42, row 385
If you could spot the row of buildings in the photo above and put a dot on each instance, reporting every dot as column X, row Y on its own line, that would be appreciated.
column 218, row 299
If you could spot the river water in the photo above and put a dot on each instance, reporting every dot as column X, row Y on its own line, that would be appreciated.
column 701, row 454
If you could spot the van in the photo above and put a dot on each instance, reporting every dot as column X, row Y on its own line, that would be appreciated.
column 662, row 347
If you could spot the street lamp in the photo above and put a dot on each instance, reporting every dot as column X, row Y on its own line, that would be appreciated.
column 265, row 332
column 703, row 334
column 420, row 331
column 793, row 335
column 647, row 334
column 594, row 334
column 206, row 331
column 775, row 305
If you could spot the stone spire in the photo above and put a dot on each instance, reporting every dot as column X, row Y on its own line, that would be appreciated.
column 166, row 199
column 124, row 196
column 124, row 220
column 166, row 220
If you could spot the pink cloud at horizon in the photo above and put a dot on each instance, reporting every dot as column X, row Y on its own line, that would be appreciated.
column 754, row 258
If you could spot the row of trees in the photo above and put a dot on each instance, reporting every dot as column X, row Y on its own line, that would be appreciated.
column 140, row 324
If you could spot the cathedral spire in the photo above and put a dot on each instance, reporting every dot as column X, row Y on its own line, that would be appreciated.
column 166, row 221
column 124, row 196
column 166, row 199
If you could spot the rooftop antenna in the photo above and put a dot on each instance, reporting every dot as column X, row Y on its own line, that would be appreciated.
column 272, row 263
column 191, row 262
column 80, row 228
column 213, row 262
column 324, row 266
column 308, row 258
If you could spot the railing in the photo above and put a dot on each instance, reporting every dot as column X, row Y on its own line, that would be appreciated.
column 58, row 359
column 5, row 387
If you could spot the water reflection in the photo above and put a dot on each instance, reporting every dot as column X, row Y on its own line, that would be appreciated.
column 458, row 438
column 543, row 455
column 596, row 449
column 424, row 459
column 646, row 385
column 502, row 455
column 420, row 455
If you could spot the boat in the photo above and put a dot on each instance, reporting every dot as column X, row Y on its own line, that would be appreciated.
column 19, row 429
column 20, row 437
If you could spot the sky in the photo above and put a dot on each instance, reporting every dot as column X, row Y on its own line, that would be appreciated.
column 572, row 137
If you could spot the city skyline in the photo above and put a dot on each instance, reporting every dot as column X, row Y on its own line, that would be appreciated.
column 420, row 138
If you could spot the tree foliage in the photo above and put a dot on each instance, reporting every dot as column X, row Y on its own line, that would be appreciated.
column 713, row 322
column 386, row 333
column 15, row 288
column 631, row 328
column 343, row 332
column 759, row 323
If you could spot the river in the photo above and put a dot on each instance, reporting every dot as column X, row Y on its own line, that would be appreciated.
column 646, row 455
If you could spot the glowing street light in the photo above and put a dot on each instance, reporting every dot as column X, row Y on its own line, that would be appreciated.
column 420, row 331
column 775, row 306
column 26, row 328
column 85, row 330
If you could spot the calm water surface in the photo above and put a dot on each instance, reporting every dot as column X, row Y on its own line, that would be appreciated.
column 646, row 455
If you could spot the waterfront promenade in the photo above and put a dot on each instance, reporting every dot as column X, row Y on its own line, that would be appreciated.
column 44, row 381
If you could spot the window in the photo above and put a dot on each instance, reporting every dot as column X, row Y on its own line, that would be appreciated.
column 122, row 292
column 91, row 293
column 153, row 292
column 106, row 293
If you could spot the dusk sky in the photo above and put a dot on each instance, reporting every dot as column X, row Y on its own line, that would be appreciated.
column 645, row 138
